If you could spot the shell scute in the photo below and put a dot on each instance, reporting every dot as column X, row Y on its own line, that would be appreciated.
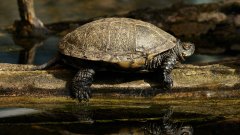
column 116, row 40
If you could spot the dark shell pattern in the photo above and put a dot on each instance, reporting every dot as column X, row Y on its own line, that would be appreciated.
column 116, row 40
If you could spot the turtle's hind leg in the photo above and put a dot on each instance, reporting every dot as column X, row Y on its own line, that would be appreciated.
column 80, row 87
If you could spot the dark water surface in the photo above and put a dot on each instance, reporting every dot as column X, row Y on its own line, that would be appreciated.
column 50, row 11
column 147, row 119
column 54, row 11
column 73, row 118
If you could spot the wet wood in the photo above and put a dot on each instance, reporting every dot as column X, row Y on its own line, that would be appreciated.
column 190, row 81
column 201, row 93
column 29, row 25
column 26, row 11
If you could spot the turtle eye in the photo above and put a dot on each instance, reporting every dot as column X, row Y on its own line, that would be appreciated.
column 186, row 46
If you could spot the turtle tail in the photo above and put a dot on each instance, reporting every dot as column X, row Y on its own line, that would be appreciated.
column 50, row 63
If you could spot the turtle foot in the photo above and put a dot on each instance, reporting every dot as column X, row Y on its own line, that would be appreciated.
column 81, row 83
column 167, row 82
column 83, row 94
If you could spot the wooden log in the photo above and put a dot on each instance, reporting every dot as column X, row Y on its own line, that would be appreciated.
column 190, row 81
column 211, row 90
column 29, row 32
column 205, row 92
column 29, row 25
column 27, row 13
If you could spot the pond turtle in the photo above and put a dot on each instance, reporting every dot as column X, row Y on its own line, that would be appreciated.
column 119, row 44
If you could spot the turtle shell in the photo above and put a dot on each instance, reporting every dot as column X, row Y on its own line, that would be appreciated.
column 116, row 40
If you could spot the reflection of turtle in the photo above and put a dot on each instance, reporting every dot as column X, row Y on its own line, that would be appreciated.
column 119, row 44
column 166, row 126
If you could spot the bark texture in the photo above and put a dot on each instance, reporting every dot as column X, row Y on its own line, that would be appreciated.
column 29, row 25
column 190, row 81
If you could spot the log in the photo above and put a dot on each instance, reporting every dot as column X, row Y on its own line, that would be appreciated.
column 29, row 26
column 202, row 93
column 27, row 13
column 207, row 92
column 190, row 81
column 29, row 32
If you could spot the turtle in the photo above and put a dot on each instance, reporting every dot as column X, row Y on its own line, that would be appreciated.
column 118, row 44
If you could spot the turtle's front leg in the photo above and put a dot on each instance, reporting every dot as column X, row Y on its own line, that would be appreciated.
column 81, row 84
column 166, row 69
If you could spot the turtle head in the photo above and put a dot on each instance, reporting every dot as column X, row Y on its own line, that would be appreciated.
column 185, row 49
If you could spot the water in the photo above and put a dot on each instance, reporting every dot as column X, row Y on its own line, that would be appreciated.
column 122, row 117
column 90, row 121
column 13, row 112
column 12, row 51
column 50, row 11
column 103, row 118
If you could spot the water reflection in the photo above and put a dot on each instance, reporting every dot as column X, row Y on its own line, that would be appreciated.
column 148, row 119
column 166, row 126
column 26, row 50
column 85, row 120
column 36, row 51
column 54, row 11
column 30, row 46
column 13, row 112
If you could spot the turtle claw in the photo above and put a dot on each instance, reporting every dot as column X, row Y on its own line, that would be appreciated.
column 81, row 85
column 83, row 95
column 167, row 82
